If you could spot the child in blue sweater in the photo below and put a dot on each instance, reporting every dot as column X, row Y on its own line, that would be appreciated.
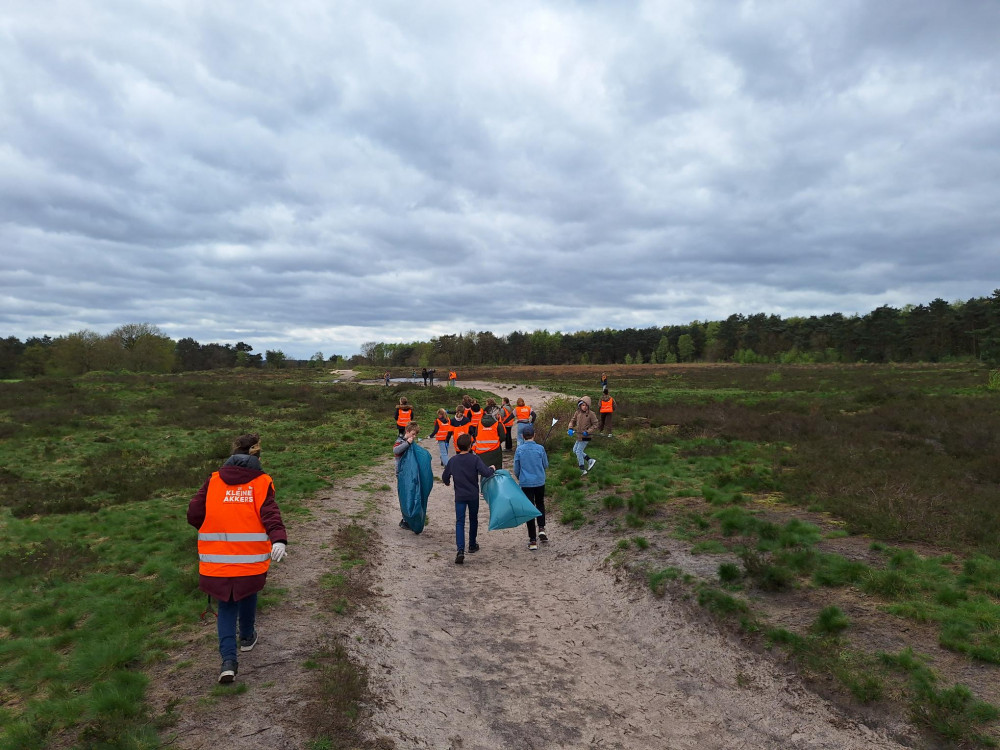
column 466, row 468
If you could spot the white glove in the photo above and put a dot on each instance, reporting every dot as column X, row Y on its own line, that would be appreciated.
column 278, row 551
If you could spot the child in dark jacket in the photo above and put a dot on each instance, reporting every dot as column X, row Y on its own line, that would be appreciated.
column 466, row 468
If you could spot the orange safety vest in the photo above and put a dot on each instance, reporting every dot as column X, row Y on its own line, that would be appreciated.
column 523, row 413
column 487, row 439
column 232, row 540
column 405, row 415
column 452, row 375
column 507, row 415
column 443, row 429
column 476, row 417
column 607, row 405
column 462, row 429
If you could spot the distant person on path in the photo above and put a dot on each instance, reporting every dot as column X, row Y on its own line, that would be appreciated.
column 402, row 444
column 508, row 418
column 442, row 433
column 487, row 445
column 530, row 463
column 404, row 414
column 525, row 415
column 452, row 378
column 604, row 382
column 606, row 407
column 240, row 533
column 465, row 468
column 386, row 376
column 430, row 377
column 423, row 374
column 583, row 425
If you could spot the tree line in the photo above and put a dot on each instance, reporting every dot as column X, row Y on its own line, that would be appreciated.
column 936, row 332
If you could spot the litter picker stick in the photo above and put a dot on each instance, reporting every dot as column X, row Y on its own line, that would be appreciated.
column 554, row 420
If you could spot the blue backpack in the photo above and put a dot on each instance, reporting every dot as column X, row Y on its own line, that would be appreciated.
column 509, row 506
column 413, row 485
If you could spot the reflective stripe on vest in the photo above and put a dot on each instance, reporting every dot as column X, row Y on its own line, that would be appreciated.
column 477, row 417
column 487, row 439
column 607, row 406
column 232, row 540
column 443, row 429
column 405, row 415
column 523, row 413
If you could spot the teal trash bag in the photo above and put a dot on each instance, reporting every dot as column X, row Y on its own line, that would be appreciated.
column 509, row 506
column 413, row 485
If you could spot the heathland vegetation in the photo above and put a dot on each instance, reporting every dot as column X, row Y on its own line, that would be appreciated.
column 846, row 515
column 936, row 332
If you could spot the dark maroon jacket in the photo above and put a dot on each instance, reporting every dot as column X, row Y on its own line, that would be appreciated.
column 239, row 587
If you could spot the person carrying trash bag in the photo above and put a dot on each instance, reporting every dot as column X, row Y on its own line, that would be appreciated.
column 530, row 463
column 466, row 468
column 606, row 407
column 583, row 425
column 414, row 479
column 240, row 533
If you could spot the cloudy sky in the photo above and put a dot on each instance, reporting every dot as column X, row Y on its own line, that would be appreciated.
column 309, row 175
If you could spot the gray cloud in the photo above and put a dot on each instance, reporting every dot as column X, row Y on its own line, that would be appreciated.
column 311, row 176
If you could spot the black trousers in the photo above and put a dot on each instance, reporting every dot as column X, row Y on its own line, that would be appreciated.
column 537, row 497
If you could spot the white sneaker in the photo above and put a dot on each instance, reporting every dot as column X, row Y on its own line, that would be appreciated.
column 542, row 536
column 532, row 545
column 590, row 463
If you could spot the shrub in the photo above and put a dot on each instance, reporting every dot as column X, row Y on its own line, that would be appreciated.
column 831, row 620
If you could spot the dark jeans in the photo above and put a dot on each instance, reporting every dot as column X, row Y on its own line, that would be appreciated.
column 508, row 437
column 537, row 497
column 606, row 416
column 460, row 506
column 245, row 610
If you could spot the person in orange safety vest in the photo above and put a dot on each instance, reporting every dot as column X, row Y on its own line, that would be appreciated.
column 525, row 415
column 606, row 407
column 442, row 433
column 240, row 532
column 489, row 436
column 404, row 414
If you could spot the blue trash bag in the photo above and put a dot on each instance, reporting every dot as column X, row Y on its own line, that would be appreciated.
column 413, row 485
column 509, row 506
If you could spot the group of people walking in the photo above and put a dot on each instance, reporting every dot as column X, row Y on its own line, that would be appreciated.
column 240, row 529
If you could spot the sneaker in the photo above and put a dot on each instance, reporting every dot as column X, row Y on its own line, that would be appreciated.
column 590, row 463
column 583, row 472
column 403, row 524
column 228, row 673
column 247, row 644
column 460, row 557
column 473, row 548
column 542, row 536
column 532, row 545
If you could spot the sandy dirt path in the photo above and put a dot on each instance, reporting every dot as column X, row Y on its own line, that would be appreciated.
column 522, row 649
column 514, row 649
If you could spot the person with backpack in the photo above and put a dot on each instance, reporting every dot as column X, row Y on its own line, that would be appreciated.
column 606, row 407
column 240, row 533
column 583, row 425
